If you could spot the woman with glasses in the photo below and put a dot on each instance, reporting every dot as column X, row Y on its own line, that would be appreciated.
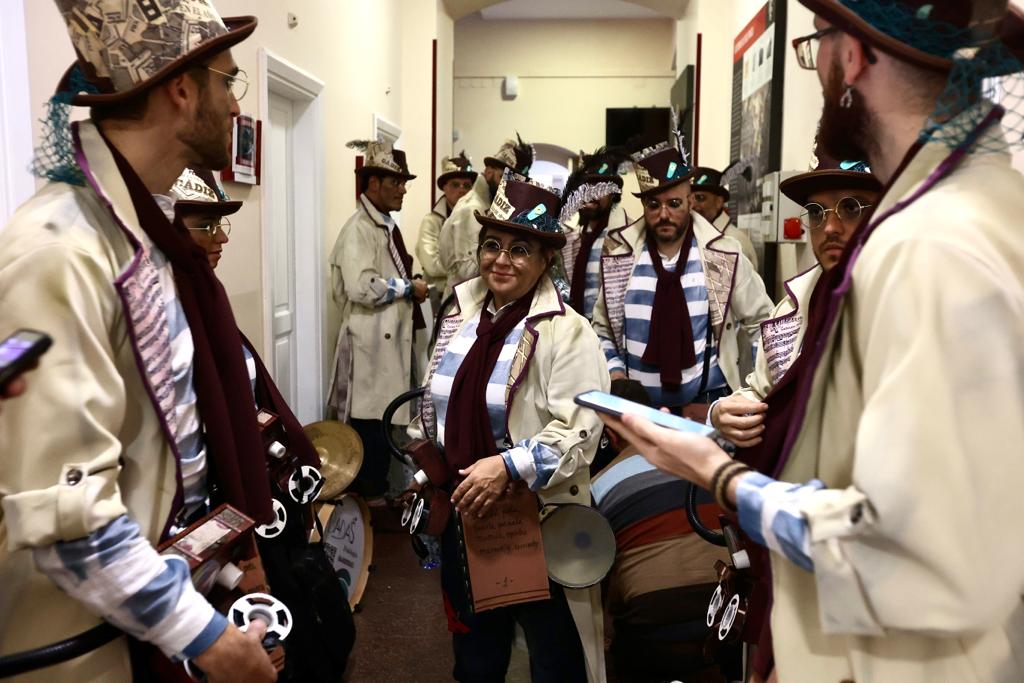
column 499, row 407
column 834, row 200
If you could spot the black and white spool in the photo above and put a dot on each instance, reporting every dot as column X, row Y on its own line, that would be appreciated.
column 273, row 529
column 305, row 484
column 248, row 609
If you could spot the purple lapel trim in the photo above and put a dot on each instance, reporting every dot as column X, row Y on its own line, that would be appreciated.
column 836, row 298
column 134, row 281
column 732, row 280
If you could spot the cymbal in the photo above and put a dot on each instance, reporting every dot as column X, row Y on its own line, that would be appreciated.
column 341, row 455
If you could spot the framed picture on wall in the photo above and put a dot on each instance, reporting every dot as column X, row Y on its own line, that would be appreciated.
column 246, row 151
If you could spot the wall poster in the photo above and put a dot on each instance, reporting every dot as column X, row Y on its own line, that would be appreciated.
column 757, row 79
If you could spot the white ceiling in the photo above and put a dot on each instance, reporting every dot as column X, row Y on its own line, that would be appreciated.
column 568, row 9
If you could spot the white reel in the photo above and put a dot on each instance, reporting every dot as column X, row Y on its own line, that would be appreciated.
column 305, row 484
column 717, row 600
column 729, row 617
column 247, row 609
column 273, row 529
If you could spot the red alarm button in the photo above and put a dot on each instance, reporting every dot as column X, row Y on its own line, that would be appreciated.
column 792, row 229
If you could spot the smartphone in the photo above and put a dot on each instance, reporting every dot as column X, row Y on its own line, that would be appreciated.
column 20, row 351
column 614, row 405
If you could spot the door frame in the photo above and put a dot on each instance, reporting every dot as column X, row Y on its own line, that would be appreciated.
column 16, row 181
column 280, row 77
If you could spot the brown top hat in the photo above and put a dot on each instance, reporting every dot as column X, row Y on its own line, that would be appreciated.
column 923, row 32
column 124, row 48
column 196, row 192
column 524, row 206
column 659, row 168
column 514, row 155
column 709, row 180
column 456, row 167
column 381, row 157
column 830, row 175
column 603, row 165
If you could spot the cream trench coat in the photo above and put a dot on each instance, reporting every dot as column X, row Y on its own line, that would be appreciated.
column 915, row 422
column 65, row 255
column 375, row 358
column 426, row 245
column 725, row 226
column 558, row 357
column 460, row 233
column 737, row 298
column 782, row 335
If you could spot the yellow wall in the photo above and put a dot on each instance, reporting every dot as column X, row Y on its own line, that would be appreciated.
column 360, row 50
column 569, row 73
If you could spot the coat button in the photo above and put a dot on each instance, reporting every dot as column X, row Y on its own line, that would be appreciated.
column 728, row 326
column 573, row 490
column 583, row 433
column 857, row 513
column 387, row 335
column 73, row 476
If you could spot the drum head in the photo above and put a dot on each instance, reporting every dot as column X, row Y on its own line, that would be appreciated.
column 348, row 543
column 579, row 545
column 341, row 455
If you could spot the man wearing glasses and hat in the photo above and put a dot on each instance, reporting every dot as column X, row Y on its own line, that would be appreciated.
column 141, row 415
column 457, row 244
column 894, row 555
column 383, row 331
column 456, row 179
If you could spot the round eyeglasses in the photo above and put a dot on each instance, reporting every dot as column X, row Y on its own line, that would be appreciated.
column 673, row 204
column 848, row 210
column 236, row 83
column 213, row 229
column 491, row 249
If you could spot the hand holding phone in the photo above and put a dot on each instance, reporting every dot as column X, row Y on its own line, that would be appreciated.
column 19, row 353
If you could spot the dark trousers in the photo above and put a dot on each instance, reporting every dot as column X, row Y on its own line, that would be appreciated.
column 482, row 655
column 372, row 480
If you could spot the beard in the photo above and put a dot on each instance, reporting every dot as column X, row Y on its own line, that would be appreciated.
column 596, row 213
column 208, row 139
column 680, row 228
column 843, row 134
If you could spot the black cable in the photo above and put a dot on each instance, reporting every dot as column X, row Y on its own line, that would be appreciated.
column 710, row 535
column 50, row 655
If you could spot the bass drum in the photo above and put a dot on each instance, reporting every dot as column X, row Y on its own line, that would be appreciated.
column 348, row 543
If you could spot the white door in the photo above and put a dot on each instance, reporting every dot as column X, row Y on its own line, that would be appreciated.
column 281, row 247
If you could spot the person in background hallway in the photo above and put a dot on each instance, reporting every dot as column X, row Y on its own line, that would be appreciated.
column 708, row 198
column 591, row 207
column 457, row 243
column 138, row 417
column 834, row 201
column 656, row 591
column 886, row 487
column 456, row 179
column 674, row 292
column 379, row 350
column 510, row 328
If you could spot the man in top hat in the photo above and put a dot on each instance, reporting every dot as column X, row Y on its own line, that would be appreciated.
column 591, row 207
column 674, row 293
column 456, row 179
column 458, row 241
column 382, row 327
column 835, row 197
column 899, row 425
column 140, row 416
column 708, row 197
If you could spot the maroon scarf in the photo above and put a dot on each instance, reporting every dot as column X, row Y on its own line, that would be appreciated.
column 670, row 343
column 237, row 462
column 418, row 323
column 467, row 429
column 578, row 285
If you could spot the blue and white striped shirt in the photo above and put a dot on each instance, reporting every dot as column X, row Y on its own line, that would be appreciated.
column 114, row 571
column 529, row 460
column 769, row 512
column 638, row 306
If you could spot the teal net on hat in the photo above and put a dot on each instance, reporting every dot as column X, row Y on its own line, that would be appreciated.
column 985, row 72
column 54, row 158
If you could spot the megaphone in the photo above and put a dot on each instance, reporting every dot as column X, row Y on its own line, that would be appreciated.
column 579, row 545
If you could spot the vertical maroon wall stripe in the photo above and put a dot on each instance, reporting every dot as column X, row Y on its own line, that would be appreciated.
column 696, row 108
column 433, row 131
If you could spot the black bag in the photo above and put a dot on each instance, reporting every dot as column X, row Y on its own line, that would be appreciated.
column 301, row 576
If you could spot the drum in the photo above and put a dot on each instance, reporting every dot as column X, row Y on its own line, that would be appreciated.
column 348, row 543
